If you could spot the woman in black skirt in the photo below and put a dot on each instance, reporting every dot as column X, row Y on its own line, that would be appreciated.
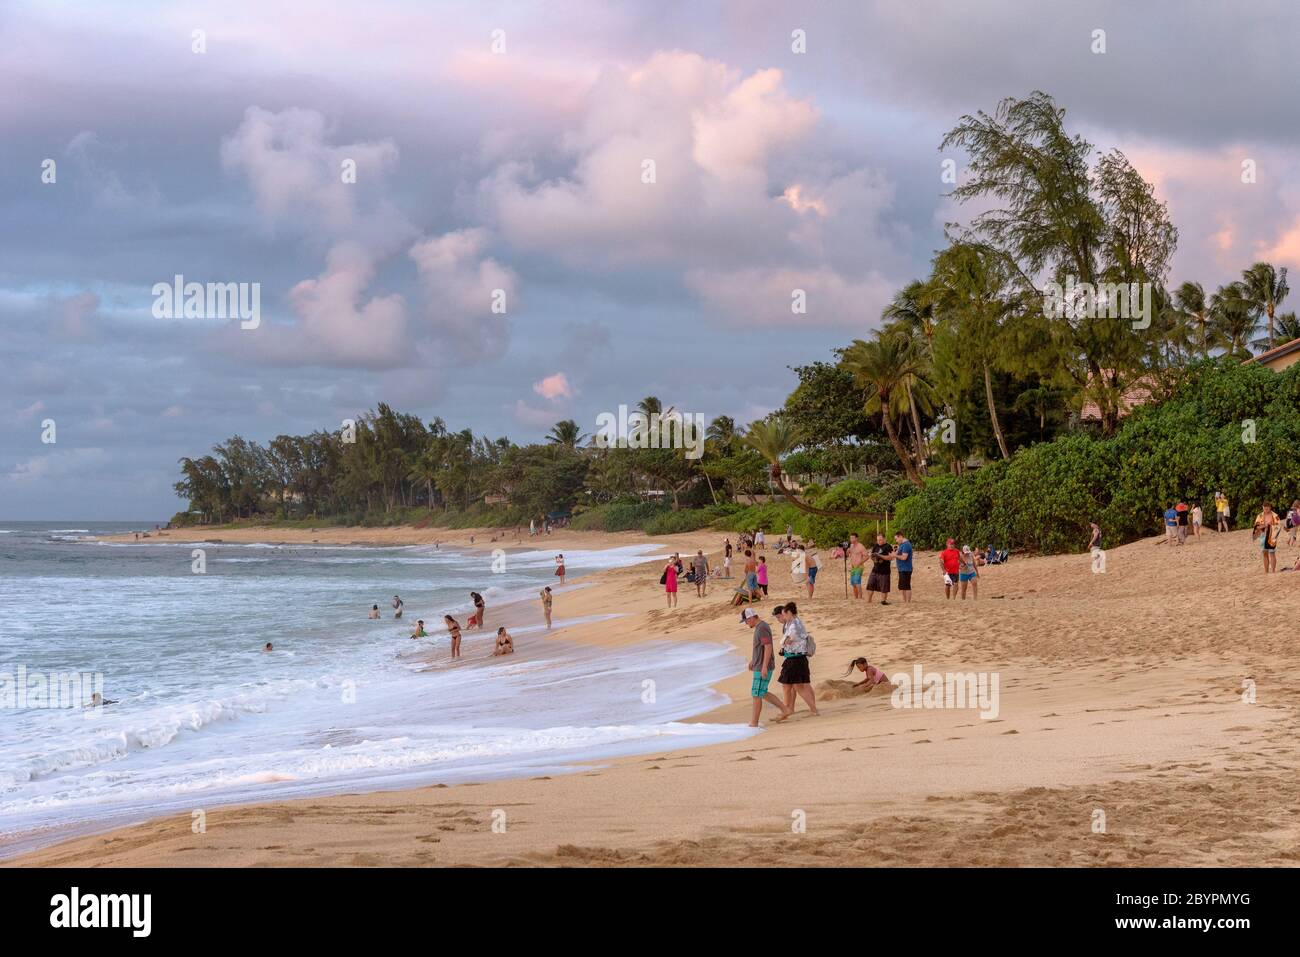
column 795, row 677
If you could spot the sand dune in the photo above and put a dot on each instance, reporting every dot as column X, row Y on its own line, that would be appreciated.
column 1123, row 697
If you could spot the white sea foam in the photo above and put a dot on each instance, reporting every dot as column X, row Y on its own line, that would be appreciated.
column 201, row 714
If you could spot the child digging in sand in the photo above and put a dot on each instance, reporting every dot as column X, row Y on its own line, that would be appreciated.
column 874, row 676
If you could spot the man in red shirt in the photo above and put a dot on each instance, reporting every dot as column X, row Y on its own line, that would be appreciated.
column 950, row 562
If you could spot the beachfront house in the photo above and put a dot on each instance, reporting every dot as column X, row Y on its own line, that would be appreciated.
column 1279, row 357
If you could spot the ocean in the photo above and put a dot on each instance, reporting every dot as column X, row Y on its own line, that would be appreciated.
column 202, row 716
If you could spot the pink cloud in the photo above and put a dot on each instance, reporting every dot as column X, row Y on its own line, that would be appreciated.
column 554, row 387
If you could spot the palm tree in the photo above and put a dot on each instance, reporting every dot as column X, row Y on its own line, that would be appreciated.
column 882, row 366
column 910, row 316
column 721, row 431
column 1265, row 288
column 969, row 283
column 566, row 433
column 774, row 439
column 1235, row 317
column 1193, row 304
column 424, row 468
column 1288, row 328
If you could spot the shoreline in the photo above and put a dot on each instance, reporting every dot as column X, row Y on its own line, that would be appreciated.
column 1108, row 702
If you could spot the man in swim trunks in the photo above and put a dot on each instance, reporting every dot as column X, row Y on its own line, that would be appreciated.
column 857, row 556
column 761, row 663
column 811, row 565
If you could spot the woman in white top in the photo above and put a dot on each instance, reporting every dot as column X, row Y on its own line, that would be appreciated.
column 795, row 677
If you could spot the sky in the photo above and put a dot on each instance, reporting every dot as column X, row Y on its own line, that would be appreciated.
column 506, row 256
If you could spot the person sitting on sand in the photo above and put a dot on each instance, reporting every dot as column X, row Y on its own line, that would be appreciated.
column 505, row 644
column 397, row 607
column 374, row 612
column 453, row 629
column 419, row 630
column 874, row 676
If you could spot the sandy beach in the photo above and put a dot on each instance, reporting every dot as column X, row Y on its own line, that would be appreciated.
column 1146, row 716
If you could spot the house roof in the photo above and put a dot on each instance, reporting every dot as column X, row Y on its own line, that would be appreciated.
column 1276, row 352
column 1138, row 393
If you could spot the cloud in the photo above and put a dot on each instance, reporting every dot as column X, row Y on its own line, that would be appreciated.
column 55, row 465
column 743, row 188
column 554, row 387
column 467, row 295
column 298, row 178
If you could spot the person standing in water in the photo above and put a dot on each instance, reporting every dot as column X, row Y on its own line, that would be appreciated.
column 559, row 568
column 546, row 605
column 479, row 607
column 419, row 630
column 453, row 629
column 374, row 612
column 397, row 607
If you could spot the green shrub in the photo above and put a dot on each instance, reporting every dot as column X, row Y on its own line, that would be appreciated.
column 1229, row 427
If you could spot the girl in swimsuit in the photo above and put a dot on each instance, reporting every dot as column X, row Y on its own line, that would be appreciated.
column 453, row 629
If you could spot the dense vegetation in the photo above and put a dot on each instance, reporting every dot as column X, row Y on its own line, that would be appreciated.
column 962, row 412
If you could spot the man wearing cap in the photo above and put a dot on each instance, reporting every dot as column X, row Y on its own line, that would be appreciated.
column 761, row 663
column 950, row 562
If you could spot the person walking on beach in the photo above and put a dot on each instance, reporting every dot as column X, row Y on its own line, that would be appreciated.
column 374, row 612
column 796, row 676
column 669, row 579
column 1182, row 511
column 453, row 629
column 505, row 644
column 1198, row 517
column 1267, row 528
column 760, row 539
column 546, row 605
column 700, row 565
column 397, row 607
column 1221, row 511
column 968, row 573
column 1293, row 522
column 857, row 556
column 1171, row 525
column 726, row 565
column 761, row 661
column 760, row 574
column 950, row 565
column 903, row 562
column 882, row 554
column 559, row 568
column 726, row 548
column 479, row 608
column 812, row 564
